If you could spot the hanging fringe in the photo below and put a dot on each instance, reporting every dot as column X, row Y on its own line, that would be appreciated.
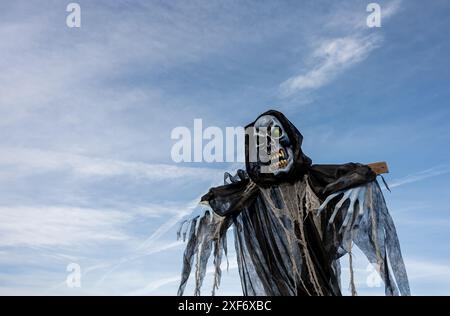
column 206, row 232
column 297, row 200
column 352, row 274
column 385, row 183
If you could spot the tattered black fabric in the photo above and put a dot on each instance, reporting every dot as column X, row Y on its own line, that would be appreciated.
column 290, row 231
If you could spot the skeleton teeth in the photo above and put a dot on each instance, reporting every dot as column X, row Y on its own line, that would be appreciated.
column 279, row 160
column 278, row 165
column 276, row 155
column 282, row 163
column 279, row 154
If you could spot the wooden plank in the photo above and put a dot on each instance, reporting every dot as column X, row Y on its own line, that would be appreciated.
column 379, row 167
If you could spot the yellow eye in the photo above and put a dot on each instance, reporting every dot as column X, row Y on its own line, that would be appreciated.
column 276, row 132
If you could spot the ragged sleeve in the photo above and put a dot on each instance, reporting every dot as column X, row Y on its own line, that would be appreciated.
column 205, row 230
column 360, row 216
column 328, row 179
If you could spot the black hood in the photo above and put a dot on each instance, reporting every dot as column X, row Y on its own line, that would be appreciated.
column 301, row 162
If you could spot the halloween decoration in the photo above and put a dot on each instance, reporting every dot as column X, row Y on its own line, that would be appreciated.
column 292, row 220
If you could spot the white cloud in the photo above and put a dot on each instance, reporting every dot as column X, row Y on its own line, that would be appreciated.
column 347, row 16
column 421, row 175
column 431, row 271
column 26, row 161
column 60, row 226
column 70, row 89
column 332, row 57
column 169, row 224
column 391, row 9
column 152, row 244
column 155, row 285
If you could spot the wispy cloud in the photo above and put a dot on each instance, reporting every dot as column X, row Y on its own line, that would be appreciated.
column 26, row 161
column 424, row 269
column 151, row 244
column 332, row 56
column 351, row 17
column 60, row 226
column 155, row 285
column 421, row 175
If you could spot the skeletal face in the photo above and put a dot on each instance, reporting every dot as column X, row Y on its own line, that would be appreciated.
column 274, row 148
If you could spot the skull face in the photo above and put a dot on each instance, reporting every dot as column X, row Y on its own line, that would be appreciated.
column 274, row 148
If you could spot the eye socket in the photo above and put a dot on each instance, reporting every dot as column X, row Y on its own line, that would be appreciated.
column 276, row 132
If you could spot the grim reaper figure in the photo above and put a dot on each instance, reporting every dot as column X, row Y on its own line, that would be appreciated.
column 292, row 220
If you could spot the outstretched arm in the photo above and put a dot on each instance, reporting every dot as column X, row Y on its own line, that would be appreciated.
column 230, row 198
column 329, row 179
column 360, row 216
column 205, row 229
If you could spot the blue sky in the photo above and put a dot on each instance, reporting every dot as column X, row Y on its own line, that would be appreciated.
column 86, row 114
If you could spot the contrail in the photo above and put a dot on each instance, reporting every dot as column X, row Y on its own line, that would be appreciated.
column 421, row 175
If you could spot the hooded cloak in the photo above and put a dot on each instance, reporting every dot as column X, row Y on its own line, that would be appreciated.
column 283, row 245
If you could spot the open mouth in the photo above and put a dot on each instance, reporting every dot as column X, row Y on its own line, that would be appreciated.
column 278, row 160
